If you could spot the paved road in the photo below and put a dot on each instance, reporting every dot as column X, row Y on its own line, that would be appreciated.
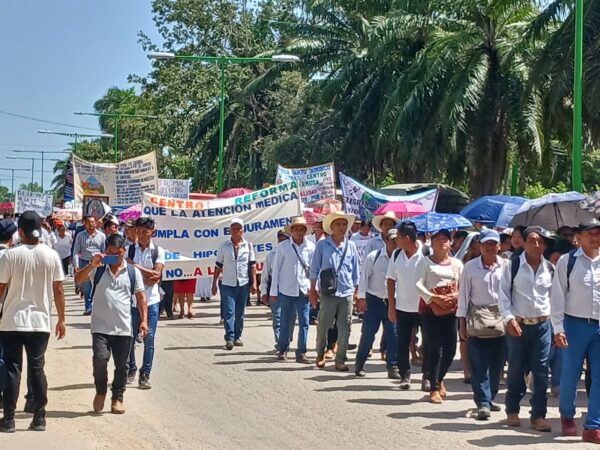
column 206, row 397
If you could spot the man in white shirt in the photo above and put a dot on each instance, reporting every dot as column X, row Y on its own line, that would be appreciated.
column 524, row 303
column 373, row 303
column 63, row 244
column 290, row 286
column 113, row 285
column 7, row 230
column 575, row 315
column 478, row 287
column 149, row 259
column 266, row 281
column 237, row 263
column 403, row 307
column 32, row 276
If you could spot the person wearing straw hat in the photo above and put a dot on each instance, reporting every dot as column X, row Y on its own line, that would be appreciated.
column 290, row 285
column 575, row 315
column 266, row 280
column 335, row 265
column 382, row 223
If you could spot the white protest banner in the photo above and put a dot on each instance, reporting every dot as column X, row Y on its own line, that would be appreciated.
column 363, row 201
column 316, row 183
column 33, row 201
column 191, row 231
column 123, row 182
column 174, row 188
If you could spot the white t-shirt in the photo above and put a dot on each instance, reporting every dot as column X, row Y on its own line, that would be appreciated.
column 63, row 245
column 30, row 271
column 144, row 259
column 402, row 270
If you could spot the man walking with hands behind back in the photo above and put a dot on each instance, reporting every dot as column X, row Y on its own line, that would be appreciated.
column 33, row 275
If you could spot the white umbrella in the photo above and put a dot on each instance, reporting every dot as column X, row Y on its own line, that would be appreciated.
column 591, row 203
column 552, row 211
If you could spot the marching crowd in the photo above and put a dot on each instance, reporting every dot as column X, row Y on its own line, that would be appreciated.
column 523, row 299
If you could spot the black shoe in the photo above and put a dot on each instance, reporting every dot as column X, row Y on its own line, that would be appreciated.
column 394, row 373
column 38, row 425
column 495, row 408
column 87, row 312
column 467, row 380
column 131, row 377
column 282, row 356
column 405, row 383
column 352, row 346
column 29, row 408
column 7, row 426
column 360, row 372
column 228, row 345
column 238, row 343
column 144, row 382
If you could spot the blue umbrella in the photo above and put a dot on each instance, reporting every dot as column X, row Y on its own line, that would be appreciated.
column 433, row 221
column 487, row 209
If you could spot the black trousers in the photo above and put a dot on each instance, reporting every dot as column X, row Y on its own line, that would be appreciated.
column 35, row 344
column 440, row 335
column 167, row 301
column 405, row 323
column 103, row 345
column 65, row 265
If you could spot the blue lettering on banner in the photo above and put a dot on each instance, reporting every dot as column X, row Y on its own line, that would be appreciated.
column 172, row 234
column 203, row 254
column 154, row 211
column 174, row 273
column 172, row 256
column 263, row 247
column 210, row 233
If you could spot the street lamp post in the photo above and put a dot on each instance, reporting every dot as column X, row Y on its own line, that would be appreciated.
column 33, row 160
column 222, row 62
column 12, row 177
column 43, row 153
column 76, row 135
column 117, row 118
column 578, row 98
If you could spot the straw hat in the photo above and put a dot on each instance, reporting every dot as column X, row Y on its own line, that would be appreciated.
column 379, row 218
column 298, row 221
column 331, row 217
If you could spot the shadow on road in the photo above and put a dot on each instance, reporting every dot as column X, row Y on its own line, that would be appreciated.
column 71, row 387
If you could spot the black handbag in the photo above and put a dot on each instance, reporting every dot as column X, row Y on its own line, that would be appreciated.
column 328, row 277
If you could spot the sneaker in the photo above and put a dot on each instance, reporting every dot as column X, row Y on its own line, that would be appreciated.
column 405, row 383
column 144, row 382
column 435, row 397
column 228, row 345
column 352, row 346
column 37, row 425
column 99, row 402
column 116, row 407
column 360, row 372
column 238, row 343
column 495, row 408
column 87, row 312
column 483, row 413
column 131, row 377
column 393, row 373
column 7, row 426
column 425, row 385
column 541, row 424
column 569, row 427
column 282, row 356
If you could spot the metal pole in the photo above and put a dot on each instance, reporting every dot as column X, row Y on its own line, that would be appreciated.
column 578, row 98
column 12, row 181
column 221, row 128
column 42, row 171
column 32, row 170
column 116, row 138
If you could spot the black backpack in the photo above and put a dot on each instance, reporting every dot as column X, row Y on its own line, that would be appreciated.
column 100, row 271
column 515, row 263
column 131, row 253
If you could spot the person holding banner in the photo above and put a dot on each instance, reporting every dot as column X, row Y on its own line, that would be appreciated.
column 149, row 259
column 237, row 263
column 87, row 243
column 335, row 265
column 289, row 287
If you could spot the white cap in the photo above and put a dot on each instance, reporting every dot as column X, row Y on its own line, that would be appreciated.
column 238, row 221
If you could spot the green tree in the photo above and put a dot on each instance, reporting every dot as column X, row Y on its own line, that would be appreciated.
column 31, row 187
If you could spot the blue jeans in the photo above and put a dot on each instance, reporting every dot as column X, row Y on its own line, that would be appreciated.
column 555, row 363
column 276, row 318
column 153, row 312
column 290, row 307
column 375, row 315
column 530, row 351
column 234, row 305
column 86, row 287
column 487, row 360
column 584, row 341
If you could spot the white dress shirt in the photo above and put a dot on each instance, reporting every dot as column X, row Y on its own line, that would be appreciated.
column 479, row 285
column 236, row 271
column 144, row 259
column 530, row 294
column 266, row 273
column 375, row 244
column 582, row 296
column 372, row 275
column 291, row 276
column 403, row 271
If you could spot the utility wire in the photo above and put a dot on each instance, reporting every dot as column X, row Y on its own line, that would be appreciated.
column 35, row 119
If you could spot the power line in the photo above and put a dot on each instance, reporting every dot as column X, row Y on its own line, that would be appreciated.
column 35, row 119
